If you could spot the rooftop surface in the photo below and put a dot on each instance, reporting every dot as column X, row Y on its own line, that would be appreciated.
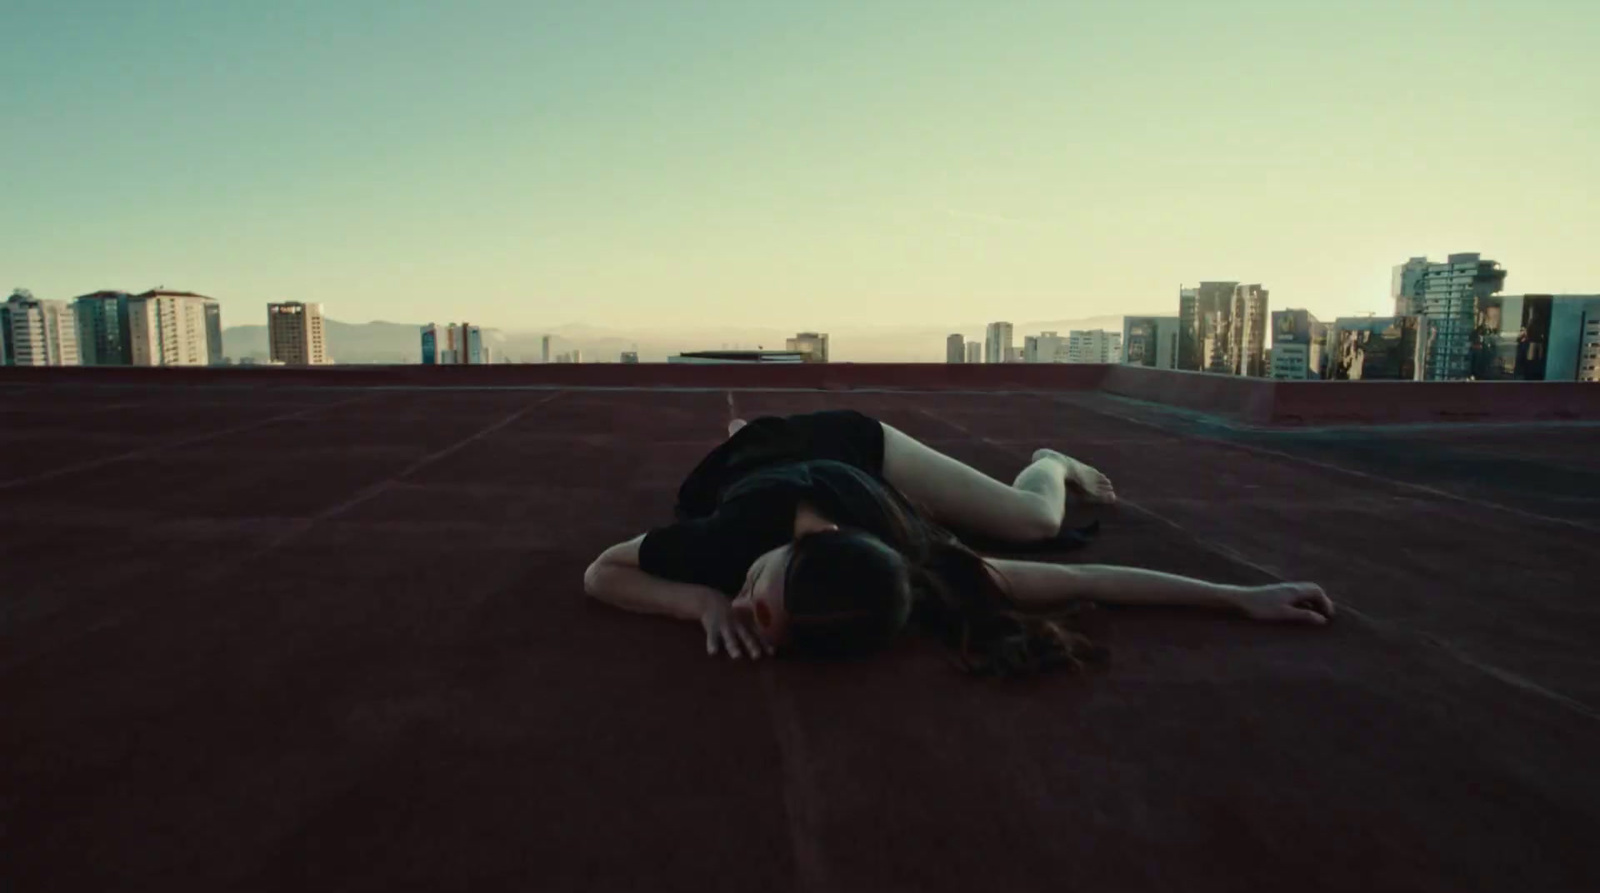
column 322, row 631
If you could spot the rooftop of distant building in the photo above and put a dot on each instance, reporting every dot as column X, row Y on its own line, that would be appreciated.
column 324, row 629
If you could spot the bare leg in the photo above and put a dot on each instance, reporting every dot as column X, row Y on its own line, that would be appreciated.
column 961, row 497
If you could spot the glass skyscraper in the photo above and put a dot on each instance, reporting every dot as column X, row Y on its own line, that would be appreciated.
column 1446, row 297
column 103, row 329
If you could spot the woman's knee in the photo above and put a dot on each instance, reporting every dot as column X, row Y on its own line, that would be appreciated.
column 1035, row 520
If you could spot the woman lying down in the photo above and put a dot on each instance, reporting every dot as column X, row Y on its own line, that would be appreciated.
column 829, row 534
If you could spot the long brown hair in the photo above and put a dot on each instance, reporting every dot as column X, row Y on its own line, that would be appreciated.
column 890, row 566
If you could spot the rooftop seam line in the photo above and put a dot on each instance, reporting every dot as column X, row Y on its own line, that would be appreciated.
column 216, row 572
column 1515, row 680
column 1214, row 547
column 1502, row 675
column 1328, row 466
column 142, row 452
column 375, row 489
column 801, row 802
column 1219, row 421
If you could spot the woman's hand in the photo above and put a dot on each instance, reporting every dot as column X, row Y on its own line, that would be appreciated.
column 1292, row 602
column 731, row 630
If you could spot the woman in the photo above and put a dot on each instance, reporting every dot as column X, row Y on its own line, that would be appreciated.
column 829, row 533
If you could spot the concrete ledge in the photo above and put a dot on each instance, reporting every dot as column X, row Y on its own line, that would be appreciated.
column 821, row 376
column 1402, row 402
column 1245, row 399
column 1252, row 401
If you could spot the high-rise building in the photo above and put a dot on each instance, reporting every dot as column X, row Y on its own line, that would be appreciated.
column 577, row 355
column 813, row 344
column 974, row 352
column 174, row 328
column 37, row 332
column 1189, row 328
column 1203, row 316
column 295, row 334
column 103, row 338
column 1589, row 351
column 1510, row 338
column 1247, row 331
column 1045, row 347
column 544, row 349
column 997, row 343
column 213, row 312
column 472, row 342
column 1446, row 296
column 430, row 345
column 1376, row 348
column 1222, row 328
column 1296, row 348
column 1150, row 341
column 1569, row 342
column 1094, row 346
column 955, row 349
column 1406, row 283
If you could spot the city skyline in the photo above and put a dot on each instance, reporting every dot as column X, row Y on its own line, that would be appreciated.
column 818, row 165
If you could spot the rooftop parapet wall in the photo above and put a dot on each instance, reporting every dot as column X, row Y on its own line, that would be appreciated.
column 1251, row 401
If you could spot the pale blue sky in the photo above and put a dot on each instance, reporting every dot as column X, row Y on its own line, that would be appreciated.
column 796, row 164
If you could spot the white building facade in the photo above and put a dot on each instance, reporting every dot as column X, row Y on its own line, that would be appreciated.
column 1094, row 346
column 1045, row 347
column 174, row 329
column 37, row 332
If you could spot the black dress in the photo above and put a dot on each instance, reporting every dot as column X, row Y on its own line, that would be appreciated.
column 818, row 457
column 839, row 435
column 828, row 459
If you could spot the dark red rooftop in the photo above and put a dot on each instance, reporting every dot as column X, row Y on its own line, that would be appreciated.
column 324, row 630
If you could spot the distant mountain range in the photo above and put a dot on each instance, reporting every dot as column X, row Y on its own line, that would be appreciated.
column 391, row 342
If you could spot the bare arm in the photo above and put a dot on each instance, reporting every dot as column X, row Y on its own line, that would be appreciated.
column 1037, row 584
column 615, row 578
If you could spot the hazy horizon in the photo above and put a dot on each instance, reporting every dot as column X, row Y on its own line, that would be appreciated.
column 792, row 166
column 378, row 341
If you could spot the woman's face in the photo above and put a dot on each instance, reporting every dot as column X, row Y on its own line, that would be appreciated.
column 761, row 600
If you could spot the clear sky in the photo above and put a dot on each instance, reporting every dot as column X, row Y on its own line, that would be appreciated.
column 653, row 162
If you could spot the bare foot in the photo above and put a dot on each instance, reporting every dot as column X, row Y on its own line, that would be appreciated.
column 1082, row 478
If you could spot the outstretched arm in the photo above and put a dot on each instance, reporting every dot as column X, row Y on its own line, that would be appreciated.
column 1037, row 584
column 616, row 579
